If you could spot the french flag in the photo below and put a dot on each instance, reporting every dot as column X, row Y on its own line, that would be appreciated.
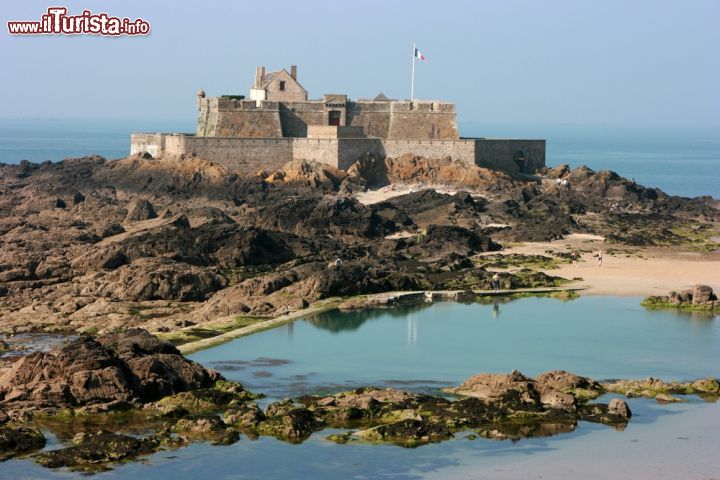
column 418, row 54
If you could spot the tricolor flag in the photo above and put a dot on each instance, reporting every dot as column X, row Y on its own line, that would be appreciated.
column 419, row 55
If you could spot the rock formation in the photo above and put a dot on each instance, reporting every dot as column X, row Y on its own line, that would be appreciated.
column 700, row 297
column 113, row 371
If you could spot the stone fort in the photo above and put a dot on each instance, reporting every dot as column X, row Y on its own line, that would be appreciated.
column 277, row 124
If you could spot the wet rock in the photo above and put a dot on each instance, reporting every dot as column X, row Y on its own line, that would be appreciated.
column 96, row 451
column 199, row 425
column 408, row 433
column 651, row 387
column 204, row 400
column 244, row 417
column 19, row 440
column 619, row 407
column 511, row 431
column 289, row 422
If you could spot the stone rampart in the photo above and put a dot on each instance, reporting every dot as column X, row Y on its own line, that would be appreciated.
column 247, row 156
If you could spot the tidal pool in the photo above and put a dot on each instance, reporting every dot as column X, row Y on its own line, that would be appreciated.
column 430, row 346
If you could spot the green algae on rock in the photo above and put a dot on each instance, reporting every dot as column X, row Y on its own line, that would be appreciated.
column 700, row 298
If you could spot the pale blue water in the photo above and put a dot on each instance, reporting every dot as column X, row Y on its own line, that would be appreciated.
column 683, row 161
column 446, row 342
column 38, row 140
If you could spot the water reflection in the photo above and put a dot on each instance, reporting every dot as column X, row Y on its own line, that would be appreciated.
column 412, row 329
column 338, row 321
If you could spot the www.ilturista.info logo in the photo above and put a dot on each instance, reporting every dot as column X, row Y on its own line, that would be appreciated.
column 57, row 22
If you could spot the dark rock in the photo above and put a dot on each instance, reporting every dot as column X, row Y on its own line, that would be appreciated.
column 93, row 452
column 140, row 210
column 19, row 440
column 289, row 422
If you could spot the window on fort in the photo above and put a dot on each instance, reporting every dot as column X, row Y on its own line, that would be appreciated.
column 282, row 85
column 334, row 118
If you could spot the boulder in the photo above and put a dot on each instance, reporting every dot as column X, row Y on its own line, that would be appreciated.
column 500, row 388
column 619, row 407
column 140, row 210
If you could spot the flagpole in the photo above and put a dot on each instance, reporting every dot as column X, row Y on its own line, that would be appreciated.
column 412, row 83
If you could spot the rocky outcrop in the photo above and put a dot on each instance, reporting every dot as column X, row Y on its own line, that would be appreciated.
column 700, row 297
column 114, row 371
column 153, row 279
column 309, row 174
column 551, row 390
column 414, row 169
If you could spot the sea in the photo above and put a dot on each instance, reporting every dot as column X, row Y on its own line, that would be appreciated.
column 681, row 161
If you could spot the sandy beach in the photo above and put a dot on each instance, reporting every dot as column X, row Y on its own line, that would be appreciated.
column 630, row 271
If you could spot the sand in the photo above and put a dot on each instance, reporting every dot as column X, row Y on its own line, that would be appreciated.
column 395, row 190
column 632, row 271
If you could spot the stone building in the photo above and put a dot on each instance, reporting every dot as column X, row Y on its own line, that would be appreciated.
column 277, row 124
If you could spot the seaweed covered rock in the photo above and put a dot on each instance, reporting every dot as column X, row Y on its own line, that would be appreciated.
column 408, row 433
column 93, row 452
column 204, row 400
column 289, row 421
column 708, row 388
column 19, row 440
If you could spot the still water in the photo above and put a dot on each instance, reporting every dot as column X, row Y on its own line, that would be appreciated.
column 425, row 348
column 431, row 346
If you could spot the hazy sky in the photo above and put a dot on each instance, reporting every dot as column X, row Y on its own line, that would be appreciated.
column 507, row 61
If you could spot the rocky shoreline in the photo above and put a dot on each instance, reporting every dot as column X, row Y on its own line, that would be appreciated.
column 184, row 245
column 101, row 383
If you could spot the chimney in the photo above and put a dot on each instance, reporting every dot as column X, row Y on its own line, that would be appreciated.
column 293, row 71
column 259, row 75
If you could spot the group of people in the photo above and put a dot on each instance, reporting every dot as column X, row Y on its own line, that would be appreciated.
column 574, row 257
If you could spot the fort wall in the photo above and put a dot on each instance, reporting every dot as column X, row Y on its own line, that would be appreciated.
column 510, row 155
column 417, row 120
column 247, row 156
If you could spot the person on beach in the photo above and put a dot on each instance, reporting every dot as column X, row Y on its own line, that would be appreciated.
column 600, row 258
column 574, row 257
